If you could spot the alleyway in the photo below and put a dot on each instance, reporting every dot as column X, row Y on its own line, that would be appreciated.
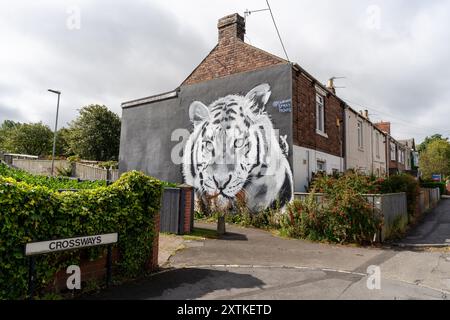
column 434, row 230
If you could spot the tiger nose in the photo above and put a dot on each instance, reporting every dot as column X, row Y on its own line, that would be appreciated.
column 222, row 181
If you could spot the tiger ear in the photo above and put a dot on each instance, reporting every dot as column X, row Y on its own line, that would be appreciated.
column 259, row 95
column 198, row 112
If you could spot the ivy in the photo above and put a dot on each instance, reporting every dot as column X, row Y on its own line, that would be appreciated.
column 31, row 212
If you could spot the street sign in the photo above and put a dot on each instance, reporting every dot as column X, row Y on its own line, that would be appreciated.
column 436, row 177
column 35, row 248
column 69, row 244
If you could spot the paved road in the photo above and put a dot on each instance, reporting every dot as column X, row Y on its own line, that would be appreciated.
column 434, row 229
column 254, row 264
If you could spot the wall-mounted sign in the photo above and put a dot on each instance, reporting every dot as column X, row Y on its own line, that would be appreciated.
column 436, row 177
column 42, row 247
column 283, row 106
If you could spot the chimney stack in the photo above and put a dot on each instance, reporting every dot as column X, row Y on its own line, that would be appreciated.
column 231, row 27
column 384, row 126
column 330, row 85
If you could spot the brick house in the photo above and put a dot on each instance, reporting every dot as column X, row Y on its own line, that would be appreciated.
column 244, row 123
column 396, row 152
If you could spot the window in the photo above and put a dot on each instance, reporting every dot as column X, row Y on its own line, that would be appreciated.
column 320, row 113
column 321, row 166
column 360, row 135
column 393, row 152
column 377, row 142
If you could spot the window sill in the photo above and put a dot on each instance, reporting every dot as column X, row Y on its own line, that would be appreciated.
column 320, row 133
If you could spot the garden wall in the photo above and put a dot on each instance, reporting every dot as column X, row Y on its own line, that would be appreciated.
column 40, row 167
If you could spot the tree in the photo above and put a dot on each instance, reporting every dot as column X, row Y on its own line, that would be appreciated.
column 95, row 134
column 6, row 129
column 62, row 144
column 435, row 159
column 30, row 138
column 428, row 140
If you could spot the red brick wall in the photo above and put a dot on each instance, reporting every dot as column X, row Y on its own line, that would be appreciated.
column 188, row 202
column 304, row 118
column 229, row 57
column 96, row 270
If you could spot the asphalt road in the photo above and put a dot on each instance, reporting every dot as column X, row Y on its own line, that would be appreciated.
column 254, row 264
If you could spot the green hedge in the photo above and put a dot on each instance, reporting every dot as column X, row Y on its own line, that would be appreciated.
column 49, row 182
column 36, row 213
column 432, row 185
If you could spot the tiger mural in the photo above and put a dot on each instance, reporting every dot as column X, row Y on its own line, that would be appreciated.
column 234, row 151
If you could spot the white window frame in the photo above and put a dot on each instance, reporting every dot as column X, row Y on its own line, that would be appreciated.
column 320, row 114
column 393, row 151
column 323, row 164
column 360, row 133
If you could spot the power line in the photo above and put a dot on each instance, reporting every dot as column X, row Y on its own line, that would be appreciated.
column 248, row 12
column 405, row 123
column 278, row 32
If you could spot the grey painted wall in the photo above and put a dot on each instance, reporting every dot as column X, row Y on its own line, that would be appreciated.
column 147, row 129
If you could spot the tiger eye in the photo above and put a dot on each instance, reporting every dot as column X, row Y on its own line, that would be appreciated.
column 239, row 143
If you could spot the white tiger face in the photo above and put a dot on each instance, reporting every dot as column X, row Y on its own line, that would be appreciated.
column 229, row 143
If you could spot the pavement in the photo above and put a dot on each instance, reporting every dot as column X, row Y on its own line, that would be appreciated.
column 434, row 230
column 248, row 264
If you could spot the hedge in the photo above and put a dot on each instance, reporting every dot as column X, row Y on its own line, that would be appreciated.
column 432, row 185
column 49, row 182
column 37, row 213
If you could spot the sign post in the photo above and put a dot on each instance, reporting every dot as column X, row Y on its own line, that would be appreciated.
column 44, row 247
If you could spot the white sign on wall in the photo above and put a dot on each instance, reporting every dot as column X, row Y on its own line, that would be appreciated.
column 69, row 244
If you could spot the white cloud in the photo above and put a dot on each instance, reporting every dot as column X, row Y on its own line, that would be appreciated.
column 126, row 50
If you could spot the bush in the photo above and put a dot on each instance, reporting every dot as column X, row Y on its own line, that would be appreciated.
column 433, row 184
column 351, row 180
column 52, row 183
column 403, row 183
column 344, row 217
column 37, row 213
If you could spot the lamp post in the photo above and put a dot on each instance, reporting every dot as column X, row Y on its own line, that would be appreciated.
column 56, row 130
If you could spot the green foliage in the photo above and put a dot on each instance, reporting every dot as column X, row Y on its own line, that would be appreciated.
column 433, row 184
column 344, row 217
column 95, row 134
column 37, row 213
column 109, row 165
column 435, row 159
column 403, row 183
column 49, row 182
column 436, row 137
column 350, row 180
column 33, row 138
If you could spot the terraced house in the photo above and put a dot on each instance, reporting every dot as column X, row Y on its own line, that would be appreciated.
column 246, row 123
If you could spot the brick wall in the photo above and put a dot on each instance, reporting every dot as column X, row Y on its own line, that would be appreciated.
column 231, row 55
column 96, row 269
column 188, row 209
column 304, row 118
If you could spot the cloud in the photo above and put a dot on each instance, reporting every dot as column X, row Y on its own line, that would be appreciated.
column 393, row 53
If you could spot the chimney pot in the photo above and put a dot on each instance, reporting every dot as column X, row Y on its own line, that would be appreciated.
column 231, row 27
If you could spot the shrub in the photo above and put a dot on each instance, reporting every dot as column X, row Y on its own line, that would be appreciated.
column 403, row 183
column 53, row 183
column 37, row 213
column 351, row 180
column 433, row 184
column 341, row 218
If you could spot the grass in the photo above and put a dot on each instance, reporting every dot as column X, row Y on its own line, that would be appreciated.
column 201, row 234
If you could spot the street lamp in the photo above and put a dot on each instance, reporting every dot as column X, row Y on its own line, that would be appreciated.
column 56, row 129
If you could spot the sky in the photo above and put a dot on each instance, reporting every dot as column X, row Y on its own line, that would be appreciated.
column 394, row 54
